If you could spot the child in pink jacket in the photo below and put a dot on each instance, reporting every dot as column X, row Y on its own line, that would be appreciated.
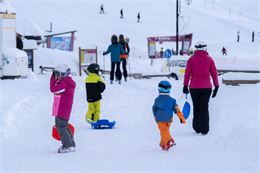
column 63, row 86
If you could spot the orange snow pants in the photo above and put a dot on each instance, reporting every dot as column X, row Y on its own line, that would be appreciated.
column 164, row 128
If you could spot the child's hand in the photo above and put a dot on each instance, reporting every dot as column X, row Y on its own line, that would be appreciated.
column 57, row 79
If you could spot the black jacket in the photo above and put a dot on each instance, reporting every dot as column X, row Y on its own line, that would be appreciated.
column 94, row 87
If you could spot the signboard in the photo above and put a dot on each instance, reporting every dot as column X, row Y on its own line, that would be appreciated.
column 186, row 46
column 151, row 49
column 61, row 43
column 185, row 40
column 168, row 53
column 87, row 57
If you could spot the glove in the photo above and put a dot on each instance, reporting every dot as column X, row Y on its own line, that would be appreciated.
column 215, row 91
column 182, row 122
column 104, row 53
column 185, row 90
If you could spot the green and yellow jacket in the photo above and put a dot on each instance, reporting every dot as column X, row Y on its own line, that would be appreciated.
column 94, row 87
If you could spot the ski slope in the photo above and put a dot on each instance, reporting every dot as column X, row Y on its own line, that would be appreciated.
column 232, row 144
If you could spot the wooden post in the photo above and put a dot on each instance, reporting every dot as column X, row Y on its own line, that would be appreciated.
column 72, row 41
column 49, row 42
column 79, row 61
column 96, row 55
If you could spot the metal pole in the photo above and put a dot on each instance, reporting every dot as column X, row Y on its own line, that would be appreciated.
column 129, row 68
column 177, row 27
column 104, row 64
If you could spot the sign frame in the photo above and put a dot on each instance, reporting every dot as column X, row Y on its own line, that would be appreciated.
column 84, row 61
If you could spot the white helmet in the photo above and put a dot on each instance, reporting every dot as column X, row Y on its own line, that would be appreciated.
column 200, row 45
column 127, row 39
column 62, row 70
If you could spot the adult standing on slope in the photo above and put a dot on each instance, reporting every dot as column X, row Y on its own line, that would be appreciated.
column 115, row 49
column 200, row 67
column 124, row 56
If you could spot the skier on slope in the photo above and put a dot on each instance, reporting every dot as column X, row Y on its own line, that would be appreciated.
column 138, row 17
column 63, row 86
column 102, row 9
column 163, row 108
column 224, row 51
column 121, row 14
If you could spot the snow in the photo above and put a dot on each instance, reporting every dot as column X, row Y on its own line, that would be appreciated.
column 232, row 144
column 29, row 44
column 6, row 7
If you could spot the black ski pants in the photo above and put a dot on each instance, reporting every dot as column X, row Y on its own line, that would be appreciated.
column 124, row 63
column 118, row 71
column 200, row 99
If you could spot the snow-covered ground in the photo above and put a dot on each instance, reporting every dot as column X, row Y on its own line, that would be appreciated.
column 27, row 146
column 132, row 146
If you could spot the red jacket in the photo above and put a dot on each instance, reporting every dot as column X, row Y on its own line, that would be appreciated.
column 199, row 68
column 65, row 88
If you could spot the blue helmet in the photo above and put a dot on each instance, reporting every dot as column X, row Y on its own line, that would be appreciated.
column 164, row 86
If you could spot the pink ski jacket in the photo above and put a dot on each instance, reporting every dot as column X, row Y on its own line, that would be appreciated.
column 199, row 68
column 65, row 88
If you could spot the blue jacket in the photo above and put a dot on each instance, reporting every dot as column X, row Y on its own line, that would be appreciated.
column 115, row 50
column 163, row 108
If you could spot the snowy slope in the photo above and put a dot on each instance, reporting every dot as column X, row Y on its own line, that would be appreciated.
column 212, row 24
column 233, row 142
column 132, row 146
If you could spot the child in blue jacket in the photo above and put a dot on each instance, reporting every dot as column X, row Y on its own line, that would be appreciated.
column 163, row 108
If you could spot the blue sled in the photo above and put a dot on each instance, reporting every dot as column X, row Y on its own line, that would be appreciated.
column 103, row 124
column 186, row 110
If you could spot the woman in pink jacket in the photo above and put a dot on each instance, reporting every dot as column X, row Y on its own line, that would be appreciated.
column 200, row 67
column 63, row 86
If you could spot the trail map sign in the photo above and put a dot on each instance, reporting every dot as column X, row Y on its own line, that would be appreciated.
column 61, row 43
column 87, row 57
column 184, row 39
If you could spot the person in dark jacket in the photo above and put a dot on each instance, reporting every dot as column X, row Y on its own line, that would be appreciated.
column 238, row 36
column 163, row 108
column 124, row 56
column 224, row 51
column 121, row 13
column 94, row 87
column 115, row 49
column 102, row 9
column 19, row 41
column 138, row 17
column 198, row 73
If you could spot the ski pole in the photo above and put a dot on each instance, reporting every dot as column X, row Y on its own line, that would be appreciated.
column 129, row 68
column 104, row 64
